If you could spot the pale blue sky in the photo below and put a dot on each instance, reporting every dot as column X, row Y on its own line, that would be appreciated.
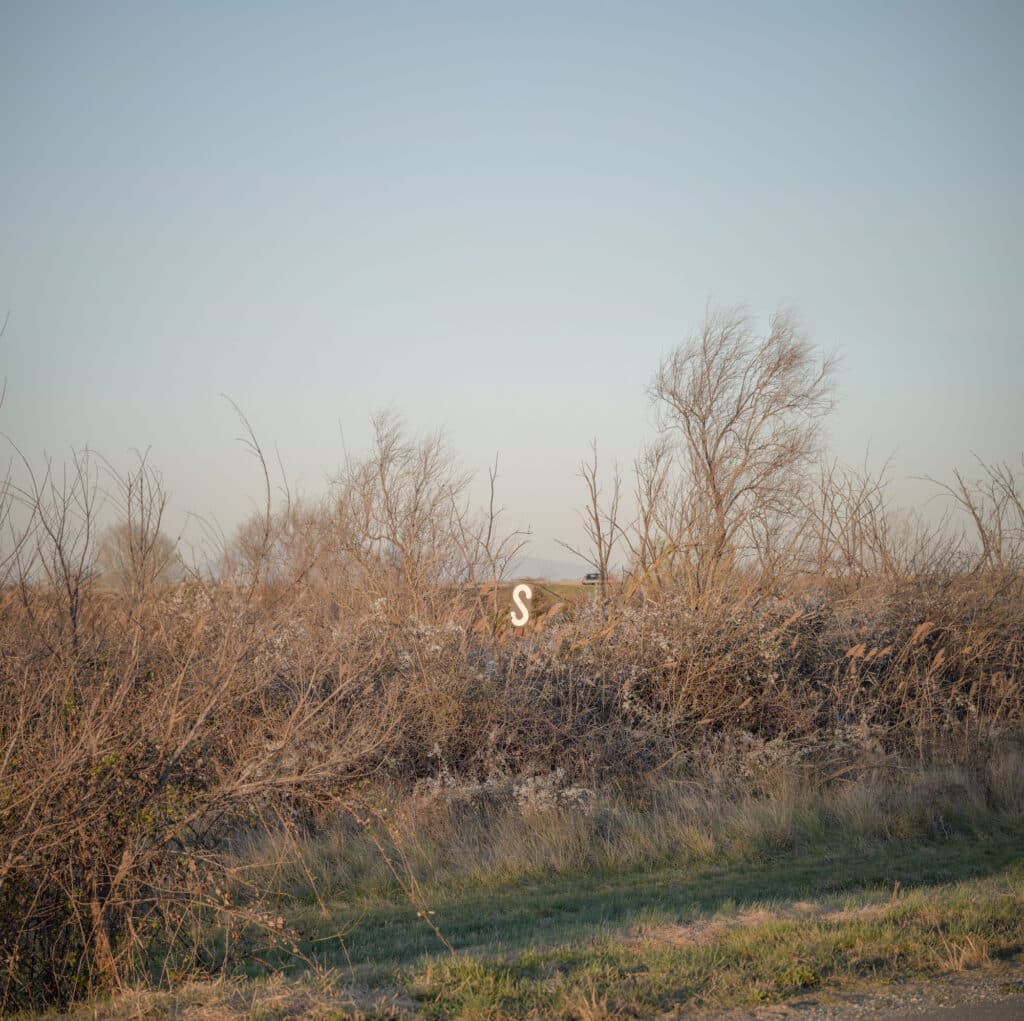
column 496, row 219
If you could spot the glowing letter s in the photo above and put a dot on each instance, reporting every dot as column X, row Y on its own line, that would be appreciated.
column 518, row 593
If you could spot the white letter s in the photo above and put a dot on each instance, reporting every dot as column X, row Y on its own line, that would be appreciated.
column 518, row 593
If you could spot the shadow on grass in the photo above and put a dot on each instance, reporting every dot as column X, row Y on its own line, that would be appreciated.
column 486, row 919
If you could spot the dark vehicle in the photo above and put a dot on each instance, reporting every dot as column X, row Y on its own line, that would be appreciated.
column 592, row 578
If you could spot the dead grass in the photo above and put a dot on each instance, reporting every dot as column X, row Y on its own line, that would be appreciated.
column 327, row 996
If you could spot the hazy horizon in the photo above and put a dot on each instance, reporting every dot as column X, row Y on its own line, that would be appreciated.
column 496, row 221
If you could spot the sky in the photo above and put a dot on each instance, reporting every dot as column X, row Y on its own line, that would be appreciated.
column 496, row 219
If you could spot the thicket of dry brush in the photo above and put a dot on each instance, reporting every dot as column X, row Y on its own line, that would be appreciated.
column 155, row 714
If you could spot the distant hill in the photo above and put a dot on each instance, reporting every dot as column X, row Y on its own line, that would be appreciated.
column 552, row 570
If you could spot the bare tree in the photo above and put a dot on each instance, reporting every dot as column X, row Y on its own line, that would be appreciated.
column 59, row 544
column 401, row 518
column 647, row 539
column 490, row 552
column 745, row 410
column 600, row 520
column 995, row 505
column 289, row 545
column 134, row 561
column 136, row 553
column 848, row 522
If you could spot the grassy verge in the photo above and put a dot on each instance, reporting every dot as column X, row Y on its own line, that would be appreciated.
column 725, row 939
column 633, row 942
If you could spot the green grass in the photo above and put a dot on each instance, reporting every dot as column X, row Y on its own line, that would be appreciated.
column 630, row 909
column 637, row 942
column 509, row 917
column 742, row 964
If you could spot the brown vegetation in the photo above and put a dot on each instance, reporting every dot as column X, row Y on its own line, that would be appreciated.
column 147, row 727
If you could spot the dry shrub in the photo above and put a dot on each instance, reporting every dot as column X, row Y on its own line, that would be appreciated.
column 348, row 648
column 127, row 762
column 147, row 726
column 151, row 727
